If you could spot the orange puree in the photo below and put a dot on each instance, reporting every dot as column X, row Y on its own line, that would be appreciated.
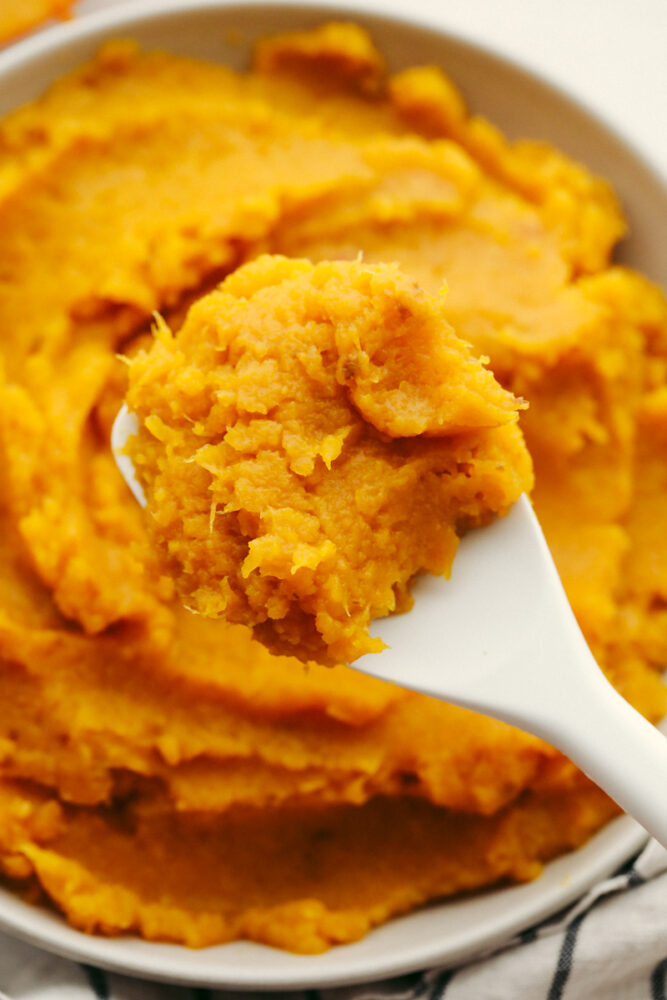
column 17, row 16
column 311, row 439
column 162, row 773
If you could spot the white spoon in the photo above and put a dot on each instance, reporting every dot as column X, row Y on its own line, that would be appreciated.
column 500, row 637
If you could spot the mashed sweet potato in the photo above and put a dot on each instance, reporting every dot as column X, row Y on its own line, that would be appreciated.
column 312, row 438
column 162, row 773
column 17, row 16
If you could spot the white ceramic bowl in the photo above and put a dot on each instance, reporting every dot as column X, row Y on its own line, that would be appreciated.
column 446, row 933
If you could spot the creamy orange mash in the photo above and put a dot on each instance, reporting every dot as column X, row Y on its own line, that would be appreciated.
column 17, row 16
column 162, row 773
column 312, row 438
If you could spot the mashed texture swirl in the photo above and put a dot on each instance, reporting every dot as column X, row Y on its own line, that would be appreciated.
column 164, row 774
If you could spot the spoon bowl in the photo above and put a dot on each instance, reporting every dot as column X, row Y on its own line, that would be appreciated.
column 124, row 427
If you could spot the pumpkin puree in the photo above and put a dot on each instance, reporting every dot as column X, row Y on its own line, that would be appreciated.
column 162, row 773
column 311, row 439
column 17, row 16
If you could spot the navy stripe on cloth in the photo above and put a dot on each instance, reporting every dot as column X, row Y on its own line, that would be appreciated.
column 440, row 985
column 565, row 958
column 658, row 981
column 421, row 987
column 635, row 878
column 98, row 982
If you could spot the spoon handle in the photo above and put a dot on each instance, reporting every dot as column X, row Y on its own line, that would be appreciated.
column 614, row 745
column 565, row 698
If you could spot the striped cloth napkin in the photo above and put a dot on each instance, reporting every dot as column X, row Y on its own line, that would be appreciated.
column 611, row 945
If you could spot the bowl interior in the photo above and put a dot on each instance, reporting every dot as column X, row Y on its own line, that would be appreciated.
column 522, row 106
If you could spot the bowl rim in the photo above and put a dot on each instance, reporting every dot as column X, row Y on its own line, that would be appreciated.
column 566, row 877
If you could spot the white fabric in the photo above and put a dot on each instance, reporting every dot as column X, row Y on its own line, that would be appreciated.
column 611, row 945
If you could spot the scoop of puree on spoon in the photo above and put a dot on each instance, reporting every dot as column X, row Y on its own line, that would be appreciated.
column 500, row 637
